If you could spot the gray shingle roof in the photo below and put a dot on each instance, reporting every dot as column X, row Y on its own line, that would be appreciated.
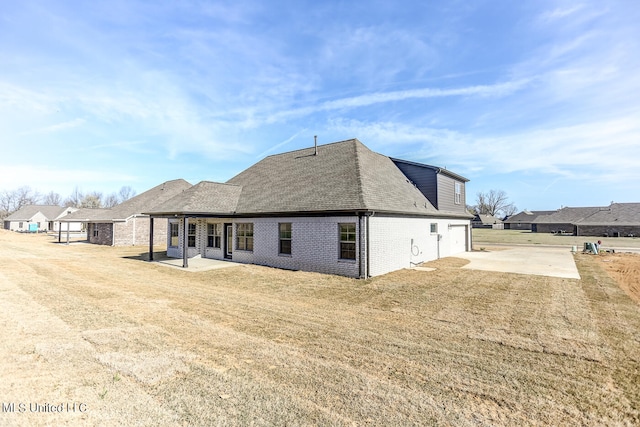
column 204, row 197
column 343, row 176
column 134, row 206
column 487, row 219
column 526, row 216
column 616, row 214
column 27, row 212
column 86, row 215
column 567, row 215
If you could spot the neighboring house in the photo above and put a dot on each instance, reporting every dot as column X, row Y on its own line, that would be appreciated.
column 338, row 208
column 563, row 220
column 40, row 218
column 616, row 220
column 486, row 221
column 523, row 220
column 125, row 224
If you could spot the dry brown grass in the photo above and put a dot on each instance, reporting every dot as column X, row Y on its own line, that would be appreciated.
column 143, row 344
column 625, row 269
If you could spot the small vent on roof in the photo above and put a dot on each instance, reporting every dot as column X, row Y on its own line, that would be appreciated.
column 315, row 145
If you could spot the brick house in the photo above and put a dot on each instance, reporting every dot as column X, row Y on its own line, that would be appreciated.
column 338, row 208
column 487, row 221
column 615, row 220
column 125, row 224
column 563, row 220
column 523, row 220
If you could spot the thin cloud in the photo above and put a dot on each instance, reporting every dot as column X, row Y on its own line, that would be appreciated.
column 57, row 127
column 497, row 90
column 281, row 144
column 559, row 13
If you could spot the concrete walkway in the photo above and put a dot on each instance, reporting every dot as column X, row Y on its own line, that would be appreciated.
column 543, row 261
column 196, row 263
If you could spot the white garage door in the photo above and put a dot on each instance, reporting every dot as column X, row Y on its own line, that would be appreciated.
column 458, row 239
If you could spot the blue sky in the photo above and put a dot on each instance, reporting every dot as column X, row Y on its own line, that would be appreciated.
column 540, row 99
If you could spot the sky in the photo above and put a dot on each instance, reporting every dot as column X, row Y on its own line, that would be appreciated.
column 540, row 99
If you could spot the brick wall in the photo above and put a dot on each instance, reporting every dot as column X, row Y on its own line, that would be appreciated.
column 552, row 228
column 601, row 230
column 395, row 243
column 135, row 231
column 314, row 245
column 104, row 233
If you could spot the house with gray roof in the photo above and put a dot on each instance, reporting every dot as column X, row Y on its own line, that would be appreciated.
column 615, row 220
column 40, row 218
column 523, row 220
column 125, row 224
column 337, row 208
column 486, row 221
column 563, row 220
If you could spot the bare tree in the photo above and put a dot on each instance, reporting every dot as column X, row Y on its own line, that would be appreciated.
column 6, row 203
column 26, row 196
column 74, row 199
column 126, row 193
column 52, row 198
column 494, row 202
column 11, row 201
column 92, row 200
column 111, row 200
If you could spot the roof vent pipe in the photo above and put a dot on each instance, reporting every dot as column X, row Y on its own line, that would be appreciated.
column 315, row 145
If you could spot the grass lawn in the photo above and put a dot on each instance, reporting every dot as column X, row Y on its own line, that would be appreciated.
column 142, row 344
column 488, row 236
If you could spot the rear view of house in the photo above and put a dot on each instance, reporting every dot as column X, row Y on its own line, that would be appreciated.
column 615, row 220
column 523, row 220
column 338, row 208
column 40, row 218
column 125, row 224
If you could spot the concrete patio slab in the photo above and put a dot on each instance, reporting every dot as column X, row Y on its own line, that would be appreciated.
column 542, row 261
column 196, row 263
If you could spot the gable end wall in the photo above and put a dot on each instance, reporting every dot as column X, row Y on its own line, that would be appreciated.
column 423, row 178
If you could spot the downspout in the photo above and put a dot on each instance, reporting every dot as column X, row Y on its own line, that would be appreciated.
column 134, row 230
column 368, row 258
column 372, row 213
column 150, row 238
column 185, row 238
column 361, row 248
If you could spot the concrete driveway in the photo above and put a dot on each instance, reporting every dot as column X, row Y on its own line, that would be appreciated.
column 543, row 261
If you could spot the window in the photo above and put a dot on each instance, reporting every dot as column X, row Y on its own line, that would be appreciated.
column 173, row 232
column 213, row 235
column 458, row 193
column 20, row 224
column 244, row 237
column 348, row 241
column 285, row 238
column 191, row 236
column 95, row 231
column 434, row 227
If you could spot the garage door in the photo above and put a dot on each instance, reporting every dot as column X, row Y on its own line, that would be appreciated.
column 458, row 239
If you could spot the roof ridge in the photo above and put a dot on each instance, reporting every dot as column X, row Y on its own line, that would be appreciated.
column 310, row 147
column 359, row 171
